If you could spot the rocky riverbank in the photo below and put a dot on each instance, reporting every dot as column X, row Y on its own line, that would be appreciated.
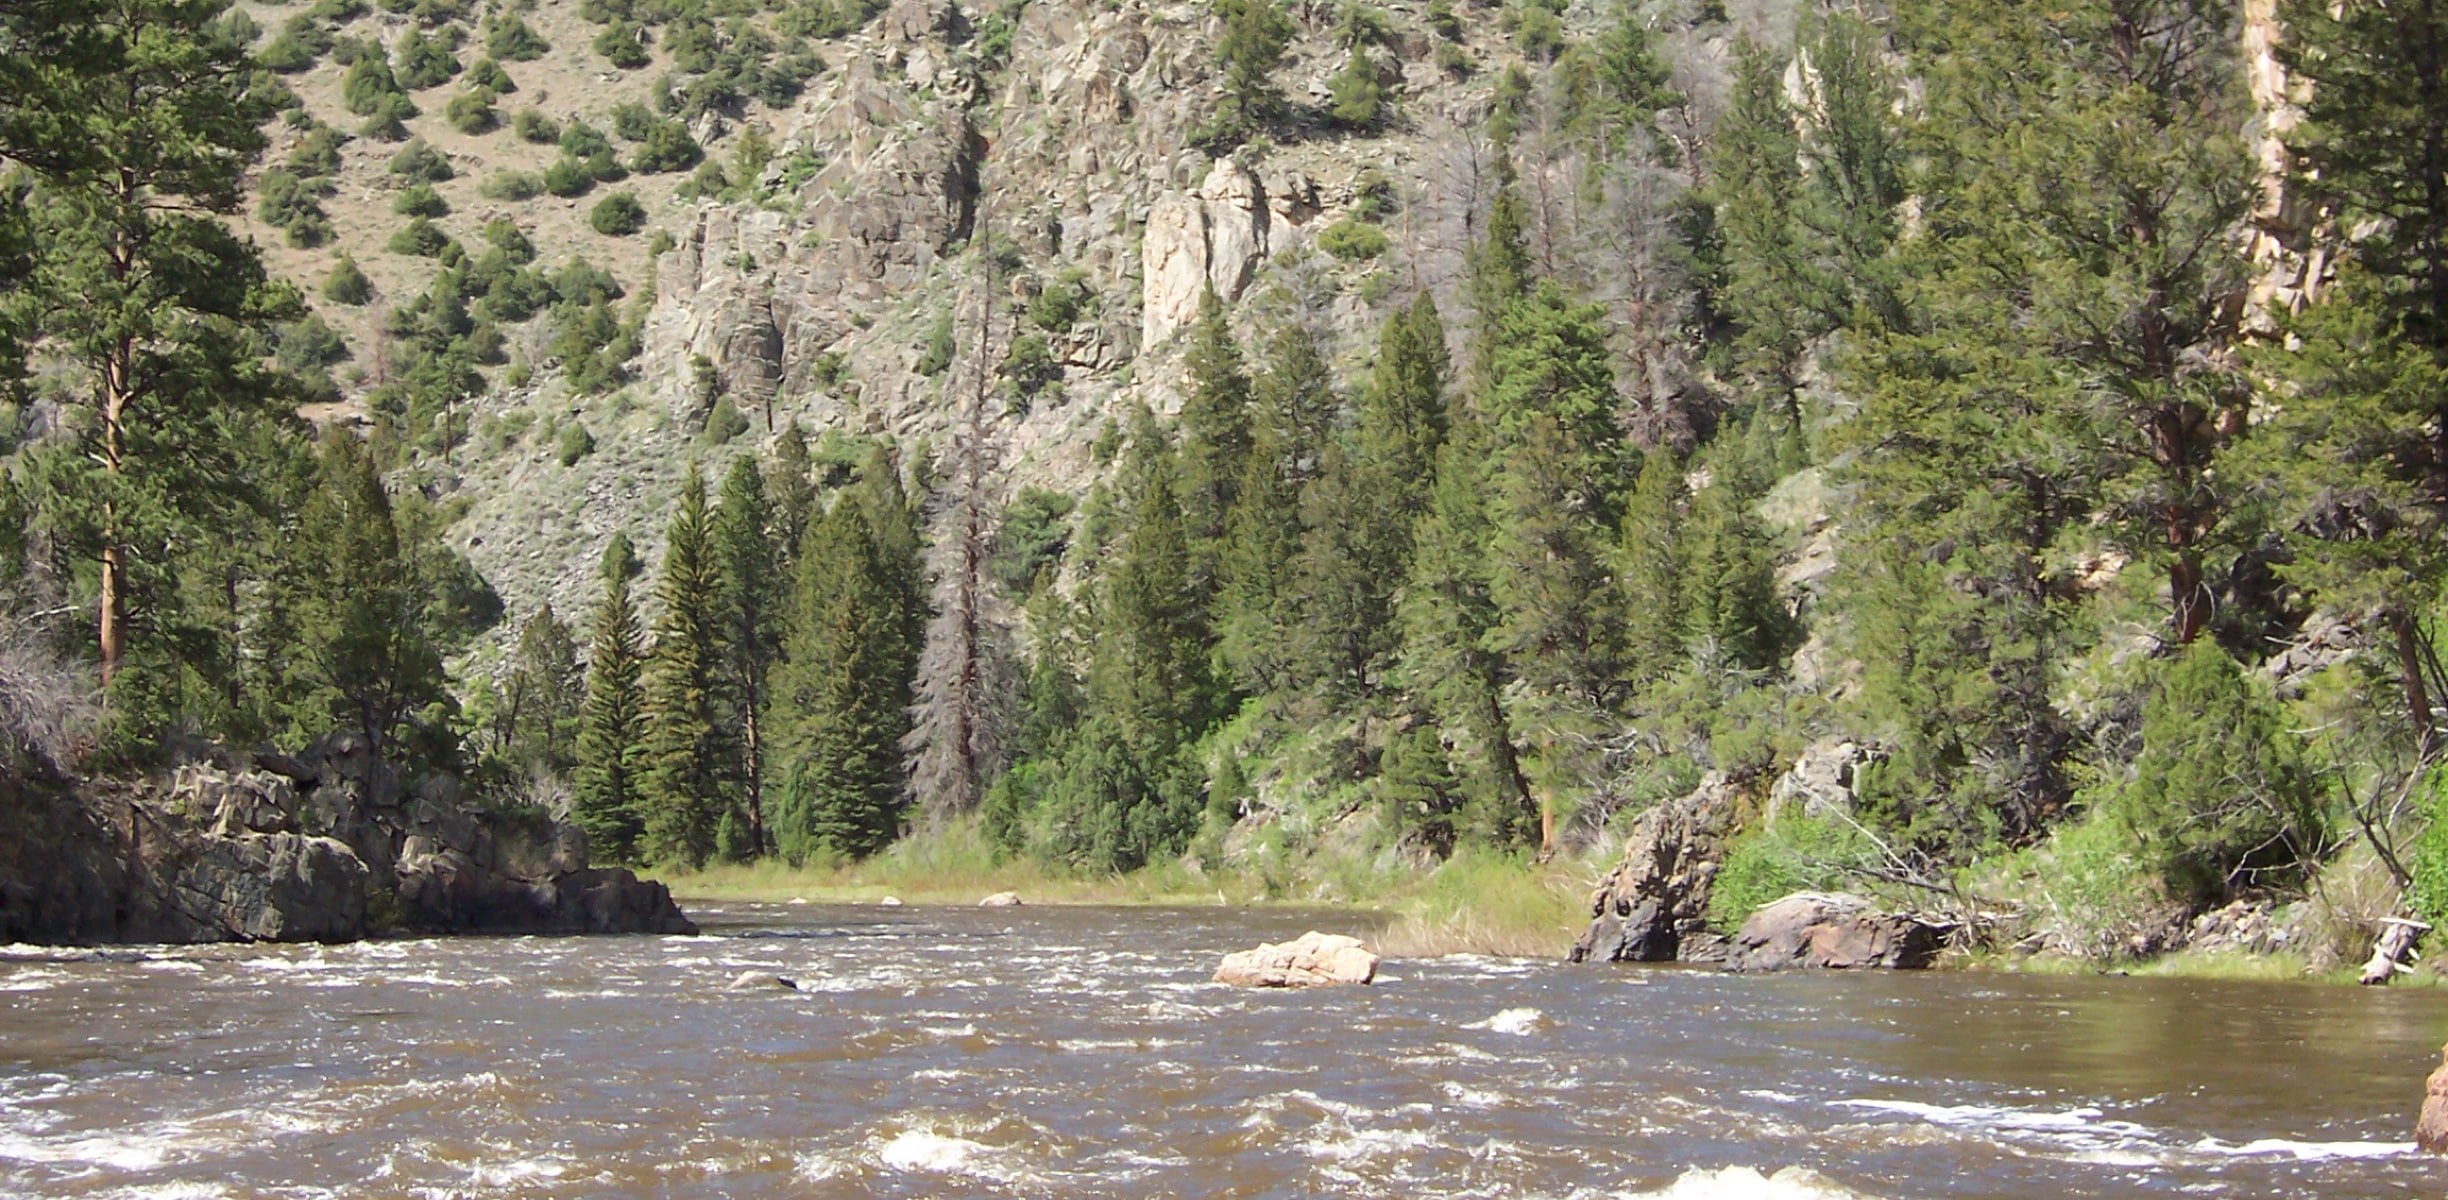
column 332, row 845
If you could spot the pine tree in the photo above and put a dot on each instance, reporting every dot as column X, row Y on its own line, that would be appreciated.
column 750, row 599
column 686, row 752
column 1447, row 614
column 843, row 691
column 365, row 624
column 604, row 783
column 2360, row 436
column 1129, row 788
column 1650, row 571
column 138, row 120
column 2086, row 265
column 1730, row 590
column 1255, row 36
column 1292, row 406
column 791, row 492
column 541, row 696
column 1215, row 438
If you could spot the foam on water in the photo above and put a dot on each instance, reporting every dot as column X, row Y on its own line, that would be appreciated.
column 924, row 1150
column 1746, row 1183
column 2303, row 1151
column 1515, row 1021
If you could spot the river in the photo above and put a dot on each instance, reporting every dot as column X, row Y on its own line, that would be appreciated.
column 1082, row 1052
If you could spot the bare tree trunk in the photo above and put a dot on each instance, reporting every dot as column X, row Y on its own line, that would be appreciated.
column 2390, row 953
column 2417, row 695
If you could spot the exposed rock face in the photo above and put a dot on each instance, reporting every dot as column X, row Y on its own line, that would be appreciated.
column 2431, row 1129
column 1823, row 778
column 329, row 847
column 1653, row 906
column 1213, row 238
column 1833, row 932
column 1311, row 960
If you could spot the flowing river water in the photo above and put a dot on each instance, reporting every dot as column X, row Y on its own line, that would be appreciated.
column 1082, row 1052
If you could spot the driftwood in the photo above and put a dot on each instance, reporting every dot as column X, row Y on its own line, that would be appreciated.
column 2394, row 949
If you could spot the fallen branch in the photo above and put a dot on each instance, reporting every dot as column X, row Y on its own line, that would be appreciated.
column 2389, row 954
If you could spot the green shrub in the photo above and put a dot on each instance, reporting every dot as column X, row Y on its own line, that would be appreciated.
column 2220, row 793
column 510, row 39
column 280, row 197
column 623, row 45
column 575, row 443
column 309, row 229
column 389, row 121
column 1029, row 368
column 1057, row 307
column 938, row 353
column 509, row 185
column 1352, row 241
column 487, row 75
column 2088, row 893
column 317, row 154
column 347, row 284
column 581, row 141
column 568, row 178
column 471, row 113
column 419, row 238
column 666, row 146
column 420, row 62
column 367, row 84
column 724, row 422
column 420, row 200
column 418, row 162
column 289, row 51
column 1795, row 853
column 618, row 215
column 531, row 125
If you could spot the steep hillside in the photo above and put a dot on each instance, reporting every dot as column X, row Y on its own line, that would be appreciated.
column 809, row 281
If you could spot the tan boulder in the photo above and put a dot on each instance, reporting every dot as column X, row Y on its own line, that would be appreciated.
column 1001, row 900
column 2431, row 1129
column 1310, row 960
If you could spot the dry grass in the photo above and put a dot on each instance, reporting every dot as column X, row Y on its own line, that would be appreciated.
column 1478, row 903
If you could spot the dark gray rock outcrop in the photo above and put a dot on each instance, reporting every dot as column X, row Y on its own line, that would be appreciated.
column 1833, row 932
column 1653, row 907
column 327, row 846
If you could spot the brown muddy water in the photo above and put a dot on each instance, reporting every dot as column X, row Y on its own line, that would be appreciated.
column 1082, row 1052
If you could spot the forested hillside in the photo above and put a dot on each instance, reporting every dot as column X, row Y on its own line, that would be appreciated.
column 2003, row 451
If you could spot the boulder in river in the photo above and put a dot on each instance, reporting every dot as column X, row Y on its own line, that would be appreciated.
column 758, row 981
column 1310, row 960
column 1654, row 906
column 1001, row 900
column 1836, row 932
column 2431, row 1129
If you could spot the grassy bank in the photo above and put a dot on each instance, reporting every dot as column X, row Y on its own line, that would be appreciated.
column 1475, row 903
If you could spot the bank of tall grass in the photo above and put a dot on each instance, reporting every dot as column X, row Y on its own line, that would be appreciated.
column 1477, row 902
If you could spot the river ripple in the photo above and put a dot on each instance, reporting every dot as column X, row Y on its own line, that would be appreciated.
column 1081, row 1052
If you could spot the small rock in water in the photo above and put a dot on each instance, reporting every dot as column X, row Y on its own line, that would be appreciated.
column 1310, row 960
column 798, row 900
column 750, row 981
column 1001, row 900
column 895, row 902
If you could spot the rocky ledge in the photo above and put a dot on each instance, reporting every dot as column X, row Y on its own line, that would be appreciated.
column 328, row 846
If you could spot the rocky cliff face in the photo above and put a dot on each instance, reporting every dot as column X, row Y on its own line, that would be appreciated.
column 1074, row 151
column 331, row 846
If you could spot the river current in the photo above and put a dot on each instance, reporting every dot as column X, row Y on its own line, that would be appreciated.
column 1082, row 1052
